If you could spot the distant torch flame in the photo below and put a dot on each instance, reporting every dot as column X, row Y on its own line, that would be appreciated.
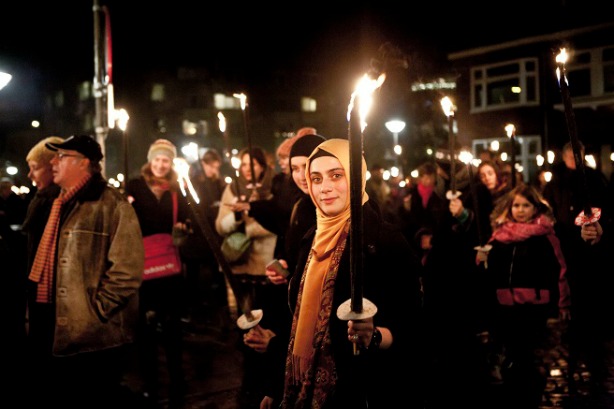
column 465, row 156
column 222, row 122
column 448, row 106
column 235, row 162
column 364, row 91
column 242, row 99
column 182, row 167
column 510, row 130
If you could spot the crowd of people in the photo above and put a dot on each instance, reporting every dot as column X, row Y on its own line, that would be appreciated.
column 459, row 272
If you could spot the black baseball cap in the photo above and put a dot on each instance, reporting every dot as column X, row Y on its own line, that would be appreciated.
column 84, row 144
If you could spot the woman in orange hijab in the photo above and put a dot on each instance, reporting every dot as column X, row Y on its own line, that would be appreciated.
column 321, row 368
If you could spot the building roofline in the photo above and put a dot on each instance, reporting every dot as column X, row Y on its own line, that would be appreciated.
column 472, row 52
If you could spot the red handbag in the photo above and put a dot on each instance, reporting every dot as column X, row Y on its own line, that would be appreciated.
column 161, row 255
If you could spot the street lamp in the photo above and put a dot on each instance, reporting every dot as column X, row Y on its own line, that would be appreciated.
column 395, row 126
column 5, row 78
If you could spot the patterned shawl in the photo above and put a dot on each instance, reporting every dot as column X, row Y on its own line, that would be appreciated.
column 309, row 351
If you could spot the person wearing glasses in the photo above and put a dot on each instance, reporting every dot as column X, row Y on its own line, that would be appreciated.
column 84, row 279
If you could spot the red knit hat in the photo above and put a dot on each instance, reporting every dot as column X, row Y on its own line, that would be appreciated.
column 285, row 147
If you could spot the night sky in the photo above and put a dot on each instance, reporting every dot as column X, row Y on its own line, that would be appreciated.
column 42, row 42
column 258, row 37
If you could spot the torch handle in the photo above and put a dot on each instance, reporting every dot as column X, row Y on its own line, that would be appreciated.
column 513, row 157
column 452, row 148
column 250, row 149
column 356, row 211
column 476, row 205
column 216, row 248
column 573, row 137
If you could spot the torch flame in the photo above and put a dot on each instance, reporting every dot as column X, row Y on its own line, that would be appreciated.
column 510, row 130
column 561, row 60
column 562, row 57
column 364, row 91
column 182, row 167
column 235, row 162
column 448, row 106
column 243, row 100
column 465, row 156
column 222, row 121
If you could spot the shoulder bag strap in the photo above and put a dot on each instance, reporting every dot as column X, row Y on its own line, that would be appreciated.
column 174, row 195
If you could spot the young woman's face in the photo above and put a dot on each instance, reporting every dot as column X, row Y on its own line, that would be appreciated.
column 284, row 163
column 212, row 170
column 488, row 177
column 161, row 165
column 298, row 166
column 329, row 185
column 522, row 210
column 246, row 168
column 427, row 180
column 40, row 174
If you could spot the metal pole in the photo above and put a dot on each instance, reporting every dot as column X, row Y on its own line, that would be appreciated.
column 125, row 136
column 100, row 119
column 396, row 142
column 513, row 159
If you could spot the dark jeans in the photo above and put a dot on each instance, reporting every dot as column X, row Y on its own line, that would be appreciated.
column 91, row 380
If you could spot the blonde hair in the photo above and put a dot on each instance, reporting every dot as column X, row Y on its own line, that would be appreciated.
column 40, row 153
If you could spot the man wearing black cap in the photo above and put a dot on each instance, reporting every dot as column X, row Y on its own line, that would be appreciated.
column 84, row 282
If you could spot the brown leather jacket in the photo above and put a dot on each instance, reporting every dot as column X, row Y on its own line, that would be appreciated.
column 99, row 271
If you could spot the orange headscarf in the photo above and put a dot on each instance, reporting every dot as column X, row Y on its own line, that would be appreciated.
column 328, row 231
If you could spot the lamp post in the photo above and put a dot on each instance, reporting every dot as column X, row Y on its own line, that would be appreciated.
column 5, row 78
column 395, row 126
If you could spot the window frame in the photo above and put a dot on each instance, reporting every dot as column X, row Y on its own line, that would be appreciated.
column 481, row 82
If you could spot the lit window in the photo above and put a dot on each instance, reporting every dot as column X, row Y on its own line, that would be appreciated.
column 591, row 73
column 84, row 90
column 308, row 104
column 501, row 86
column 157, row 92
column 223, row 101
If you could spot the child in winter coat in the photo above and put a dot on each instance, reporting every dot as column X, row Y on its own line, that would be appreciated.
column 527, row 269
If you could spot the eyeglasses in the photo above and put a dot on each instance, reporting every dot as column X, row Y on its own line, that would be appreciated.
column 62, row 155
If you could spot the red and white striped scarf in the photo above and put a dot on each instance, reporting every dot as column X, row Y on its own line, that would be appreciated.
column 44, row 262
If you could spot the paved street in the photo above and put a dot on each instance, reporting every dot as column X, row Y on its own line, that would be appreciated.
column 213, row 364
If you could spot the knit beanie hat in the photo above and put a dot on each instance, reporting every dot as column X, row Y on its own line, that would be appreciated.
column 308, row 130
column 284, row 148
column 304, row 145
column 162, row 147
